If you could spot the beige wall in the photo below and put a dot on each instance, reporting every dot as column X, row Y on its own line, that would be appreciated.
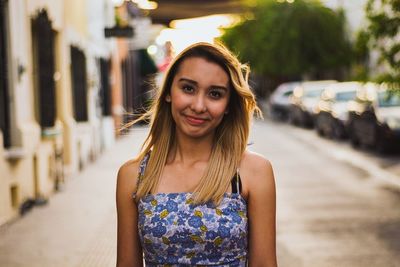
column 5, row 199
column 54, row 10
column 27, row 168
column 64, row 103
column 76, row 16
column 79, row 142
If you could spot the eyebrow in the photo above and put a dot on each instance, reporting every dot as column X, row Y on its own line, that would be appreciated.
column 196, row 83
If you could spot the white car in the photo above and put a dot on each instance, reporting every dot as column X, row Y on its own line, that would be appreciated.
column 304, row 102
column 279, row 102
column 333, row 109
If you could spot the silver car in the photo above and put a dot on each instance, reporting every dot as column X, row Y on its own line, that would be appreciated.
column 279, row 102
column 333, row 109
column 304, row 102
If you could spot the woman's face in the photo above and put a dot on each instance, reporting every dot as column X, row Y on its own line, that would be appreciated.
column 199, row 97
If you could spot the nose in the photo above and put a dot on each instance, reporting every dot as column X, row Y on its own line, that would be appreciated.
column 198, row 104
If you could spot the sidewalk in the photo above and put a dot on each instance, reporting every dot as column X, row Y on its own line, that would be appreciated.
column 78, row 225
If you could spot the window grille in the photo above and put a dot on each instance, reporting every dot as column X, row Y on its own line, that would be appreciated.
column 79, row 84
column 44, row 57
column 4, row 94
column 105, row 93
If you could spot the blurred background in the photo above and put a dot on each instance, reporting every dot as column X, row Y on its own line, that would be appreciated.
column 326, row 74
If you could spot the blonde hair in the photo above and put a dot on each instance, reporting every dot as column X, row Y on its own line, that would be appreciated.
column 231, row 136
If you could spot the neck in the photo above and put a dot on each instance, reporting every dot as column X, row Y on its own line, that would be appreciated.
column 191, row 150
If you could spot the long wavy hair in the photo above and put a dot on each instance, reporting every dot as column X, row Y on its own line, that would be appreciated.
column 230, row 138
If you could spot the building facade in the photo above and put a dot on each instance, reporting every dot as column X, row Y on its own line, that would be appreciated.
column 56, row 112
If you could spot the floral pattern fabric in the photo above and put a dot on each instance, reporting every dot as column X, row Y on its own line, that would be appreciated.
column 176, row 232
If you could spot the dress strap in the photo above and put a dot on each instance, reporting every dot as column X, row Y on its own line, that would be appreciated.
column 236, row 183
column 143, row 164
column 142, row 169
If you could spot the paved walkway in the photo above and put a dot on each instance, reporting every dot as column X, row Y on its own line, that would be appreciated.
column 78, row 225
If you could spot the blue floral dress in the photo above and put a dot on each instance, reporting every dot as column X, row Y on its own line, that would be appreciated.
column 175, row 232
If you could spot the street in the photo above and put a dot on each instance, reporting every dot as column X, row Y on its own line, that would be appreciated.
column 335, row 206
column 330, row 212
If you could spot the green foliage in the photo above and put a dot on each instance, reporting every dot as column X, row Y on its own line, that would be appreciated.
column 361, row 50
column 383, row 34
column 291, row 39
column 361, row 56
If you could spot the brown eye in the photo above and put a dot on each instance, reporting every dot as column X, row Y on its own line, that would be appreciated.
column 215, row 94
column 187, row 88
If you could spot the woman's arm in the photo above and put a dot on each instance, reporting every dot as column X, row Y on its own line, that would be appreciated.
column 260, row 186
column 129, row 251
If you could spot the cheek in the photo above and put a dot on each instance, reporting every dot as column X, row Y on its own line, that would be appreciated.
column 175, row 99
column 218, row 110
column 178, row 103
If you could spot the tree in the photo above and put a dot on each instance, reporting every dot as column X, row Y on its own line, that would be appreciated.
column 361, row 56
column 286, row 41
column 383, row 35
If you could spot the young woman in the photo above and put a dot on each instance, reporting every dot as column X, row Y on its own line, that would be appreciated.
column 195, row 195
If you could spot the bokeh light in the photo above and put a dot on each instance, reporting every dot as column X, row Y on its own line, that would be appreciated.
column 188, row 31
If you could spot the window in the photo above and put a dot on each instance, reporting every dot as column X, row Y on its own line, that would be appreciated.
column 388, row 99
column 14, row 196
column 105, row 93
column 43, row 60
column 345, row 96
column 79, row 84
column 4, row 94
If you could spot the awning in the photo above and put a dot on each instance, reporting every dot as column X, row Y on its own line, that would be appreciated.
column 169, row 10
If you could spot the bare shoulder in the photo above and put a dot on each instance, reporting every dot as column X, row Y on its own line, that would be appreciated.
column 255, row 160
column 256, row 172
column 128, row 175
column 255, row 164
column 259, row 187
column 129, row 252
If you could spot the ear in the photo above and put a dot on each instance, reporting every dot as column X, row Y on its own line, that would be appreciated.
column 226, row 112
column 168, row 98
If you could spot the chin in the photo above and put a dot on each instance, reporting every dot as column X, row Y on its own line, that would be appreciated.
column 198, row 133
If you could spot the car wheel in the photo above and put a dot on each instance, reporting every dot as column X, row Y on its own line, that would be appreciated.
column 318, row 128
column 381, row 145
column 329, row 131
column 290, row 116
column 303, row 122
column 295, row 121
column 353, row 139
column 381, row 148
column 337, row 131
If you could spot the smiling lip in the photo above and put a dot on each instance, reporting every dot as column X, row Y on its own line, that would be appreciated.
column 195, row 121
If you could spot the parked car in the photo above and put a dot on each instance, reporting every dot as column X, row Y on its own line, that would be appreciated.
column 332, row 116
column 304, row 101
column 374, row 118
column 279, row 102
